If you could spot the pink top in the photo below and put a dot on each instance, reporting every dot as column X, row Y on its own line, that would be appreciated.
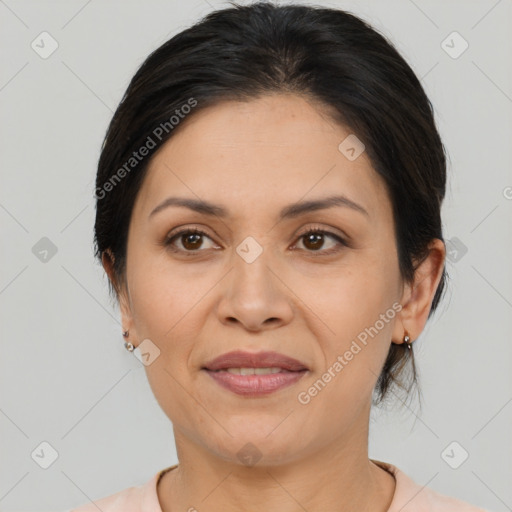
column 408, row 497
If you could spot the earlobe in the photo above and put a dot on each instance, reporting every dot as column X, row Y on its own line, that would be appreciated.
column 420, row 294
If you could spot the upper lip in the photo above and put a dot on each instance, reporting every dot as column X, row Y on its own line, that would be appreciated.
column 241, row 359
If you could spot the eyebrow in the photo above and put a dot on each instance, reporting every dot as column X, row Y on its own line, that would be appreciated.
column 288, row 212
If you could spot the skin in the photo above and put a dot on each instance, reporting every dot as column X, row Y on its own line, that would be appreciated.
column 254, row 158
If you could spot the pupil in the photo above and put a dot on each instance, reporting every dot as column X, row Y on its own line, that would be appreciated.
column 315, row 239
column 195, row 238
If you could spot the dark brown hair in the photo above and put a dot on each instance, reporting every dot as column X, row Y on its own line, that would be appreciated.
column 330, row 55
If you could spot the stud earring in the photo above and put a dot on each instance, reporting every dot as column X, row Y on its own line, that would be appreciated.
column 127, row 345
column 407, row 341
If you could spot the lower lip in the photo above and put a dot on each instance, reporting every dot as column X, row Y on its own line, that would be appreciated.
column 254, row 385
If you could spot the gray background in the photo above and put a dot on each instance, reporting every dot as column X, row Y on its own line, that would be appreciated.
column 65, row 377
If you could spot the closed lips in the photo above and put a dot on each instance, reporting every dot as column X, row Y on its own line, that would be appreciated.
column 247, row 363
column 252, row 371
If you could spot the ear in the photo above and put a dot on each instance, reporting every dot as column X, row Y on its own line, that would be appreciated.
column 417, row 297
column 107, row 259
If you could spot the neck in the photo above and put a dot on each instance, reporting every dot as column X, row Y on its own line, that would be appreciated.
column 340, row 478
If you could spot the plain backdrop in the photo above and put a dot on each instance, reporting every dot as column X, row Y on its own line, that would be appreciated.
column 65, row 377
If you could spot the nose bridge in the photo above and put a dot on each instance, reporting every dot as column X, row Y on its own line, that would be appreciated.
column 252, row 275
column 253, row 293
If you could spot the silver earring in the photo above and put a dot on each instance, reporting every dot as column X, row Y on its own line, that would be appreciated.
column 127, row 345
column 407, row 341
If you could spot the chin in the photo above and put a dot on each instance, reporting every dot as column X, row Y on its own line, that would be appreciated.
column 252, row 447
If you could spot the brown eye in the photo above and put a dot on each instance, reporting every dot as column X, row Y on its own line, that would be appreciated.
column 190, row 240
column 314, row 240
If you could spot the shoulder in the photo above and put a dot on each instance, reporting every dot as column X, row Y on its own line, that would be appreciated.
column 412, row 497
column 128, row 500
column 141, row 498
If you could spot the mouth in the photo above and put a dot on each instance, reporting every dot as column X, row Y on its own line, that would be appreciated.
column 254, row 374
column 240, row 360
column 253, row 371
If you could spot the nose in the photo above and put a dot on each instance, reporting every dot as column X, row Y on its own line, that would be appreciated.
column 255, row 295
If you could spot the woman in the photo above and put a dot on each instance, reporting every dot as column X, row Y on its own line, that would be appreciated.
column 268, row 214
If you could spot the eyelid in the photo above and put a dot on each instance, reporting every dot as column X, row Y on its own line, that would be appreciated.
column 182, row 231
column 343, row 239
column 185, row 228
column 335, row 232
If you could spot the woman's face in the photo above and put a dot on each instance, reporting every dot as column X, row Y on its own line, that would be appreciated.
column 254, row 283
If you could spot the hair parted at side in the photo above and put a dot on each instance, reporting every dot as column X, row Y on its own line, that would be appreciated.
column 327, row 55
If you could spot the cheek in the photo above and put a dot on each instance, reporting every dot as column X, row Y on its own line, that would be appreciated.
column 357, row 307
column 170, row 307
column 162, row 296
column 350, row 298
column 165, row 305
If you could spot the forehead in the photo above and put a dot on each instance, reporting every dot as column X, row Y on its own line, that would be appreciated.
column 273, row 150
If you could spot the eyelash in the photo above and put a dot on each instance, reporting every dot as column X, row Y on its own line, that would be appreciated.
column 168, row 242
